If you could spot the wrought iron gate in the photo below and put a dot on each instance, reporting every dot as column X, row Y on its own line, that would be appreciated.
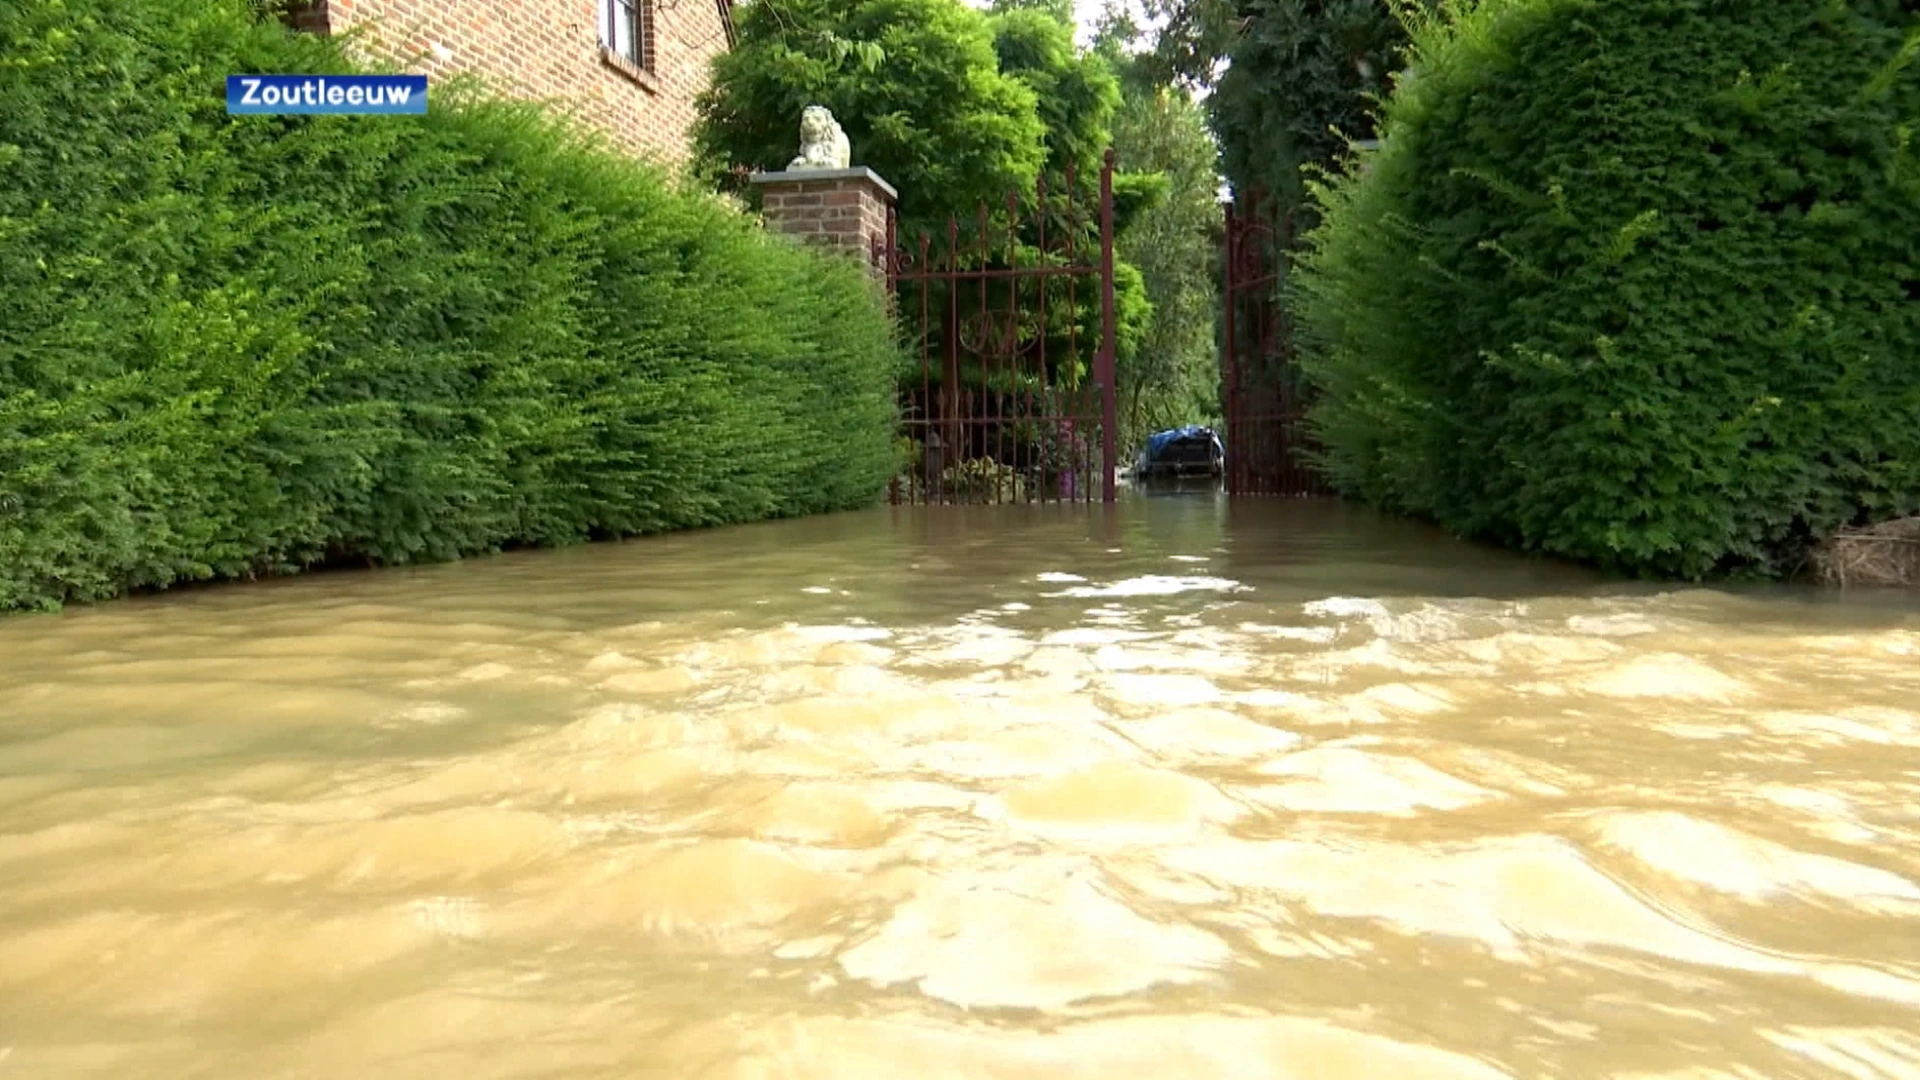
column 1265, row 407
column 1011, row 326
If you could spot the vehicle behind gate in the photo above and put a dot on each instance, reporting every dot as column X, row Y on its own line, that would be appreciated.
column 1186, row 453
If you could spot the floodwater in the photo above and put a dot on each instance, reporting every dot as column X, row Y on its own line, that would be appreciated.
column 1176, row 791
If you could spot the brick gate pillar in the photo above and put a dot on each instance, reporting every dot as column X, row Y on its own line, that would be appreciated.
column 842, row 210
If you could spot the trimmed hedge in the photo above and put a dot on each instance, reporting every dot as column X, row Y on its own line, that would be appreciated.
column 1633, row 281
column 232, row 346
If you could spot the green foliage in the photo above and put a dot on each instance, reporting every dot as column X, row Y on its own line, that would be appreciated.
column 1304, row 77
column 1061, row 11
column 232, row 346
column 1172, row 377
column 983, row 480
column 938, row 119
column 1076, row 93
column 1059, row 449
column 1633, row 281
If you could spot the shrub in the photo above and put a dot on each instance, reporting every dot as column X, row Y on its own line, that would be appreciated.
column 241, row 345
column 1633, row 281
column 983, row 480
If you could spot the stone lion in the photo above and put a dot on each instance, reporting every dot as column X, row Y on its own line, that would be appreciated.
column 822, row 144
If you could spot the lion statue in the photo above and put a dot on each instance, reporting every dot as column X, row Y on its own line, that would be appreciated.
column 822, row 144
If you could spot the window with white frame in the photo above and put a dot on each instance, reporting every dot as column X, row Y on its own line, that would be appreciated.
column 625, row 26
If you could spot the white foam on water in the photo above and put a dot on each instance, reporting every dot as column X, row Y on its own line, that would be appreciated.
column 1153, row 585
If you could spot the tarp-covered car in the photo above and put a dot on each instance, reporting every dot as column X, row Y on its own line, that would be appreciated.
column 1180, row 454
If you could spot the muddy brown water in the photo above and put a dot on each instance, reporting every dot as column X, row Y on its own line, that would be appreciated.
column 1180, row 790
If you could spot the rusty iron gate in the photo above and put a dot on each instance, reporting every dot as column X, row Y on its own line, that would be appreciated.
column 1010, row 323
column 1265, row 405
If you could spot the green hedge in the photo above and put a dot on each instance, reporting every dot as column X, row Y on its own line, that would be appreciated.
column 241, row 345
column 1633, row 281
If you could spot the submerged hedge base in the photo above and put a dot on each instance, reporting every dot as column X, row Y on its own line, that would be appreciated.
column 233, row 346
column 1633, row 281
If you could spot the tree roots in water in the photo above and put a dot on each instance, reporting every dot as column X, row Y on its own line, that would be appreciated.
column 1883, row 554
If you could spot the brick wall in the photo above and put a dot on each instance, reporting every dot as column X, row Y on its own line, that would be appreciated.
column 550, row 49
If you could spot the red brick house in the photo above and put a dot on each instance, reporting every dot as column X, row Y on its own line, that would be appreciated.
column 631, row 68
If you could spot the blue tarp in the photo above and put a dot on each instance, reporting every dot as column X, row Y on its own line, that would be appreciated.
column 1158, row 442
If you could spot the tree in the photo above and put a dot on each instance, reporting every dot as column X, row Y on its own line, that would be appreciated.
column 1060, row 11
column 1303, row 77
column 1077, row 93
column 1289, row 82
column 1173, row 377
